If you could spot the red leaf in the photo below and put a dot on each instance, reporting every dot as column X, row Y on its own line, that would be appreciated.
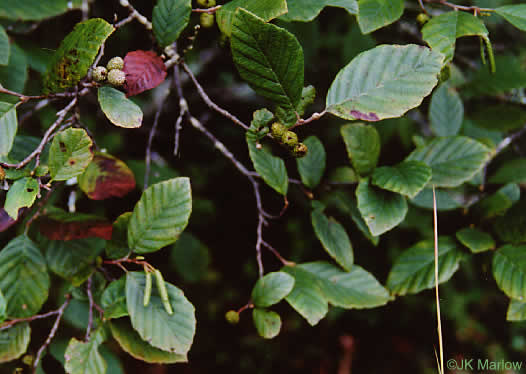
column 5, row 220
column 105, row 177
column 144, row 71
column 57, row 230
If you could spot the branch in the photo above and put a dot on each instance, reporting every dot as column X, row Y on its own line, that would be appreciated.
column 211, row 10
column 90, row 312
column 148, row 158
column 209, row 102
column 61, row 115
column 133, row 15
column 60, row 313
column 474, row 9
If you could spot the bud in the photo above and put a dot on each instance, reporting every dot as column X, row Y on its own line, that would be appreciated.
column 290, row 139
column 300, row 150
column 232, row 317
column 422, row 19
column 116, row 77
column 445, row 74
column 100, row 73
column 115, row 63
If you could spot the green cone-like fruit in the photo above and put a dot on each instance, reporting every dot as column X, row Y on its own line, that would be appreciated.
column 115, row 63
column 300, row 150
column 206, row 3
column 207, row 20
column 232, row 317
column 290, row 139
column 422, row 18
column 278, row 130
column 100, row 73
column 116, row 77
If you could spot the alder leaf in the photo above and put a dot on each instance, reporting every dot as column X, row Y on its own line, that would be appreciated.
column 144, row 70
column 70, row 153
column 105, row 177
column 21, row 194
column 169, row 19
column 120, row 110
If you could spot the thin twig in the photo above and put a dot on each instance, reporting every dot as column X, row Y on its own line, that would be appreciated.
column 148, row 158
column 209, row 102
column 134, row 14
column 278, row 255
column 461, row 7
column 90, row 312
column 439, row 321
column 61, row 115
column 59, row 313
column 422, row 6
column 313, row 117
column 210, row 10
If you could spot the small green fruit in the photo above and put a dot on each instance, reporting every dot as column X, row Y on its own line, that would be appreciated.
column 206, row 3
column 116, row 77
column 278, row 130
column 290, row 139
column 422, row 19
column 300, row 150
column 115, row 63
column 232, row 317
column 100, row 74
column 207, row 20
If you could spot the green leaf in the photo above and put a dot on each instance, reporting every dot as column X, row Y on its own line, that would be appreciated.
column 334, row 238
column 113, row 299
column 3, row 307
column 514, row 14
column 509, row 270
column 76, row 53
column 271, row 289
column 74, row 259
column 476, row 240
column 407, row 178
column 120, row 110
column 497, row 203
column 363, row 146
column 441, row 32
column 265, row 9
column 267, row 322
column 14, row 75
column 347, row 204
column 172, row 333
column 501, row 117
column 31, row 10
column 414, row 270
column 384, row 82
column 21, row 194
column 190, row 258
column 312, row 166
column 516, row 311
column 446, row 111
column 269, row 58
column 70, row 153
column 512, row 171
column 306, row 296
column 8, row 127
column 307, row 10
column 14, row 342
column 445, row 199
column 24, row 279
column 382, row 210
column 117, row 247
column 132, row 343
column 84, row 357
column 343, row 175
column 511, row 227
column 375, row 14
column 160, row 216
column 169, row 18
column 4, row 47
column 319, row 283
column 453, row 160
column 271, row 168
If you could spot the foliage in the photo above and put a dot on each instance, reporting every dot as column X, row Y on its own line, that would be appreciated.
column 342, row 116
